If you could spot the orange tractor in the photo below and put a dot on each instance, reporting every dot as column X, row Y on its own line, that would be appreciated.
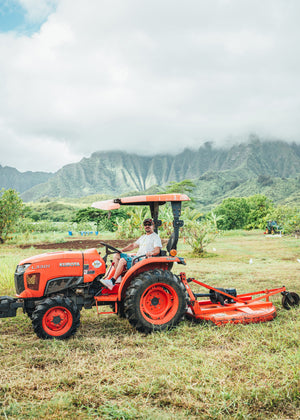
column 52, row 288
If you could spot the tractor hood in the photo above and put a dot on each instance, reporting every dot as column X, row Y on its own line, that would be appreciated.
column 50, row 256
column 33, row 275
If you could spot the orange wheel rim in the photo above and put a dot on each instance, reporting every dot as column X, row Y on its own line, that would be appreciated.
column 57, row 321
column 159, row 303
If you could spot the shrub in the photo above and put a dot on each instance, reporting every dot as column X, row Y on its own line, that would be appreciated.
column 10, row 211
column 259, row 207
column 199, row 232
column 287, row 217
column 104, row 220
column 243, row 212
column 234, row 213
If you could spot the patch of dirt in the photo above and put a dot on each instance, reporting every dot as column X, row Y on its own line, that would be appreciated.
column 80, row 244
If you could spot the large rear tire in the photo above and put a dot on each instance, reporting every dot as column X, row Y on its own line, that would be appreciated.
column 57, row 317
column 155, row 301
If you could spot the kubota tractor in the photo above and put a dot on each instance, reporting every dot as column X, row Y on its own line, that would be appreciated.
column 52, row 288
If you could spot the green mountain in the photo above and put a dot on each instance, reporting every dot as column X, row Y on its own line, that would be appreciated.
column 271, row 168
column 21, row 181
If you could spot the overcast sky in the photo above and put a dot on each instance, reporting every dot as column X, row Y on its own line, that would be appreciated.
column 144, row 76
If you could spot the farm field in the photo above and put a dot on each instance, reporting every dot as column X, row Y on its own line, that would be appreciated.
column 195, row 371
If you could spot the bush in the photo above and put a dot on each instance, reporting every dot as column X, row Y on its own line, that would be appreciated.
column 287, row 217
column 243, row 212
column 199, row 234
column 259, row 207
column 234, row 213
column 54, row 211
column 11, row 207
column 198, row 231
column 104, row 220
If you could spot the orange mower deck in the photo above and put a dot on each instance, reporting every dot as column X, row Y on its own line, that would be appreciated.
column 247, row 308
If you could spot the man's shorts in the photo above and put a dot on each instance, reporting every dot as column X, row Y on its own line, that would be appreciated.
column 128, row 259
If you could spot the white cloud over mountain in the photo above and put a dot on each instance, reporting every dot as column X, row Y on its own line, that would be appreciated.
column 146, row 76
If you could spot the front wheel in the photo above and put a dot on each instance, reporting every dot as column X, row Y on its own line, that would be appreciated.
column 155, row 300
column 57, row 317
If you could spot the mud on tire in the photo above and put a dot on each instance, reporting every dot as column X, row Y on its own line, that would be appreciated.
column 56, row 317
column 156, row 300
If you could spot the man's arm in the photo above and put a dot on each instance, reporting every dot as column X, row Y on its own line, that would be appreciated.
column 155, row 251
column 129, row 247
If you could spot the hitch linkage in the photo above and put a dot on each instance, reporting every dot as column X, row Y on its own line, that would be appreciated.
column 9, row 306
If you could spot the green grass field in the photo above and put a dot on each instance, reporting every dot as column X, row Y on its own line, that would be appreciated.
column 195, row 371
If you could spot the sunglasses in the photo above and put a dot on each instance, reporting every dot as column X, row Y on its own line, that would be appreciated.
column 147, row 224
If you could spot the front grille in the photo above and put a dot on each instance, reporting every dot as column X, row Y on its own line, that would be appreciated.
column 19, row 283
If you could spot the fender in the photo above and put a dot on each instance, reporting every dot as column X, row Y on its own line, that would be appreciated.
column 162, row 263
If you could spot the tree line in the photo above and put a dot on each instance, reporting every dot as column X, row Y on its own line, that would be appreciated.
column 232, row 213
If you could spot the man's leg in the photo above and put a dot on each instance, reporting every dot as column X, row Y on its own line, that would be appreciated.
column 121, row 264
column 116, row 259
column 120, row 267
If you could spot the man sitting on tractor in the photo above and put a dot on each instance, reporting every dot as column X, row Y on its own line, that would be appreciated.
column 149, row 246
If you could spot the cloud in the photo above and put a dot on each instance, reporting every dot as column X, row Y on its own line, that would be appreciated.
column 37, row 10
column 147, row 77
column 33, row 153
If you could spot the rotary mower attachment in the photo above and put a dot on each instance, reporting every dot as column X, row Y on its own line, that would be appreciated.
column 226, row 306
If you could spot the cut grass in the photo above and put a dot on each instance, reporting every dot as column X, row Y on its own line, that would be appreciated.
column 109, row 371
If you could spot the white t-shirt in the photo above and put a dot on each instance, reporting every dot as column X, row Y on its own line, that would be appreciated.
column 147, row 243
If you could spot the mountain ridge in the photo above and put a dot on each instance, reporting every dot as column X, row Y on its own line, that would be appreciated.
column 21, row 181
column 220, row 171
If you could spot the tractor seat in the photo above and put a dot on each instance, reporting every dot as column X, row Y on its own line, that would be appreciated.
column 172, row 243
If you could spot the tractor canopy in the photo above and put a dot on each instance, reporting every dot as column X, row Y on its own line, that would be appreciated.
column 140, row 200
column 153, row 201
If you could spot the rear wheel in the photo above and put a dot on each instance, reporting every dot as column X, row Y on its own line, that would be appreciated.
column 57, row 317
column 155, row 300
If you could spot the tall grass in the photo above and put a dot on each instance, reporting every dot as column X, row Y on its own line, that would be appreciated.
column 9, row 258
column 196, row 371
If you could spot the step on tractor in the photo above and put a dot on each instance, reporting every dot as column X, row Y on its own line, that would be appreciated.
column 52, row 288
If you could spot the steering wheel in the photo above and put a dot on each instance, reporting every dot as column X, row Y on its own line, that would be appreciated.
column 136, row 259
column 109, row 249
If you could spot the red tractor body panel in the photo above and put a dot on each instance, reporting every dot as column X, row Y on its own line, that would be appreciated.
column 47, row 267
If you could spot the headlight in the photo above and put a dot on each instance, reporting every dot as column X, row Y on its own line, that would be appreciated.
column 22, row 268
column 33, row 281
